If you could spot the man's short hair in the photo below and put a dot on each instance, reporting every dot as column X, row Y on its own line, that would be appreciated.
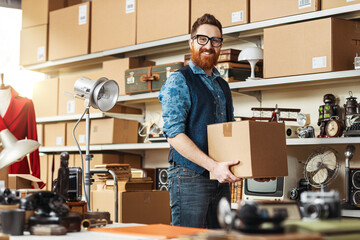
column 205, row 19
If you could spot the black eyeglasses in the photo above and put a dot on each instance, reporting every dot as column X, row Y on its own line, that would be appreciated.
column 203, row 40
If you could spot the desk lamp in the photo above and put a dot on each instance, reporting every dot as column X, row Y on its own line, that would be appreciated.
column 100, row 94
column 14, row 150
column 253, row 55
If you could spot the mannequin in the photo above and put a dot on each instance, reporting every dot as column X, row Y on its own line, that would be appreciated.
column 5, row 96
column 18, row 115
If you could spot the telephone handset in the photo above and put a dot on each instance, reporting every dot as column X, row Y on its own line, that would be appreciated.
column 45, row 204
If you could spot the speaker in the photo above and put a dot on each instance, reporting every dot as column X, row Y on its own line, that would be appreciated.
column 354, row 186
column 162, row 182
column 75, row 184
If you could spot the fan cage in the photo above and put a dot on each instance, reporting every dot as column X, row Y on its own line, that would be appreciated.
column 332, row 174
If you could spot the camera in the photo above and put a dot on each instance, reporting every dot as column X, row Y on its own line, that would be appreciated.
column 306, row 132
column 303, row 187
column 320, row 205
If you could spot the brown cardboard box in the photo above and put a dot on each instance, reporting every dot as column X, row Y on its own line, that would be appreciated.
column 115, row 69
column 268, row 9
column 113, row 25
column 20, row 181
column 80, row 133
column 69, row 105
column 159, row 19
column 323, row 45
column 69, row 3
column 69, row 38
column 98, row 159
column 259, row 146
column 40, row 133
column 228, row 12
column 145, row 207
column 132, row 159
column 327, row 4
column 54, row 134
column 46, row 97
column 34, row 45
column 4, row 182
column 37, row 12
column 113, row 131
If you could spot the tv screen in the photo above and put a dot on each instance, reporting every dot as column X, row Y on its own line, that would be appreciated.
column 261, row 187
column 273, row 188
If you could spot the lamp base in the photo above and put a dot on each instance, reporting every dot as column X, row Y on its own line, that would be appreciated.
column 251, row 79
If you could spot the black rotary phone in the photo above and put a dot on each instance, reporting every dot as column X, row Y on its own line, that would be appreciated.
column 51, row 208
column 45, row 204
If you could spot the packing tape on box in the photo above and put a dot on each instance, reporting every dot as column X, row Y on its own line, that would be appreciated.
column 227, row 129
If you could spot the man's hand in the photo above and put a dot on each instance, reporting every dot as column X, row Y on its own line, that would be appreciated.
column 222, row 173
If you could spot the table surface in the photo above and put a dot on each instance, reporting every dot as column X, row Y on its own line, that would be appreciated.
column 85, row 235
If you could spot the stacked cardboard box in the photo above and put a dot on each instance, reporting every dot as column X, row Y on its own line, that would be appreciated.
column 69, row 31
column 34, row 37
column 113, row 24
column 147, row 207
column 228, row 12
column 159, row 19
column 328, row 4
column 269, row 9
column 46, row 97
column 316, row 46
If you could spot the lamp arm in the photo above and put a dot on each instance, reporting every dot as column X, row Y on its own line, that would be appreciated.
column 87, row 197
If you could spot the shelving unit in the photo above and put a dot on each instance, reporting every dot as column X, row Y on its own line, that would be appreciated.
column 180, row 42
column 231, row 34
column 165, row 145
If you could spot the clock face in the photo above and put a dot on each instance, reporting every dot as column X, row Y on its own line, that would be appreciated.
column 334, row 128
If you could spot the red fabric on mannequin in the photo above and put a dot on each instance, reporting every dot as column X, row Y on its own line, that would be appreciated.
column 20, row 120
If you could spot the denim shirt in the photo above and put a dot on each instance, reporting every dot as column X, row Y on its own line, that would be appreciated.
column 175, row 100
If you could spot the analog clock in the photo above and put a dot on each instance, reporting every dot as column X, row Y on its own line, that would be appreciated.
column 334, row 128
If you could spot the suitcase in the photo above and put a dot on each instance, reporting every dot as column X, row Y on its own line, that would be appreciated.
column 232, row 72
column 149, row 79
column 226, row 55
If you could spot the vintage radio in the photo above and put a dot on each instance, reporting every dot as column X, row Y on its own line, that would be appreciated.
column 149, row 79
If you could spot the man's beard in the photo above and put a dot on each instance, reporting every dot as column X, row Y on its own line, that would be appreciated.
column 203, row 61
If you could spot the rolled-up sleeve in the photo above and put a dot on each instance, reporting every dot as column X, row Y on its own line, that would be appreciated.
column 175, row 101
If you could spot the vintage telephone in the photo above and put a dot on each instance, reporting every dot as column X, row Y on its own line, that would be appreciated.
column 51, row 208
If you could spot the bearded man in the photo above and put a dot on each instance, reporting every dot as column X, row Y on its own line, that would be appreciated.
column 192, row 98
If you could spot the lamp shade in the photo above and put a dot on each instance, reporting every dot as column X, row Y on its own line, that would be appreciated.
column 102, row 93
column 14, row 150
column 253, row 55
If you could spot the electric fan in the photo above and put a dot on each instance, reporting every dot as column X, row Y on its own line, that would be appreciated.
column 321, row 167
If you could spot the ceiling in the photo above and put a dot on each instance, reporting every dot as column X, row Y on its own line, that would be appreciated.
column 10, row 3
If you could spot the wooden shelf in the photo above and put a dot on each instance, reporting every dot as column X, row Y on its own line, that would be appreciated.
column 136, row 117
column 109, row 147
column 165, row 145
column 180, row 42
column 269, row 83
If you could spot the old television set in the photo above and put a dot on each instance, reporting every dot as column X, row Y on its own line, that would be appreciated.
column 278, row 189
column 272, row 190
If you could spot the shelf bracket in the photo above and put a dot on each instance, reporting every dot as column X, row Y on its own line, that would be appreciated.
column 257, row 94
